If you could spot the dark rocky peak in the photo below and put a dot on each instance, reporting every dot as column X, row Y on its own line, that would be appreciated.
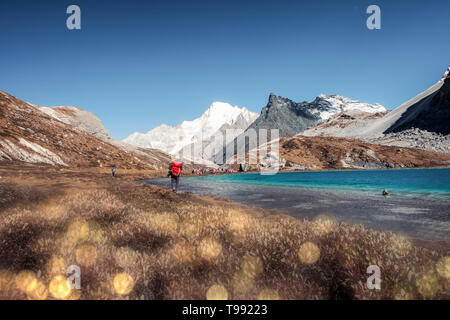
column 278, row 101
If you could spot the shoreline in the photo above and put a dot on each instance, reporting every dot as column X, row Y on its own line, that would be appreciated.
column 416, row 215
column 308, row 170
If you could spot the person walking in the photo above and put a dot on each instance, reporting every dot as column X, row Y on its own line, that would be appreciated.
column 174, row 173
column 113, row 171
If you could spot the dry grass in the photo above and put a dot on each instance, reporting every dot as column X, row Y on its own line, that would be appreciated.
column 147, row 243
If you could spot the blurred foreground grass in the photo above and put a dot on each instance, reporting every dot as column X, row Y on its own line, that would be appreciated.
column 146, row 243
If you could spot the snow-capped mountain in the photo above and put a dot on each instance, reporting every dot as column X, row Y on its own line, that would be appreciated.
column 429, row 110
column 173, row 139
column 326, row 106
column 291, row 118
column 422, row 122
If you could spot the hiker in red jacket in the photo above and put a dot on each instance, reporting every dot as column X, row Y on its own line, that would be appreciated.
column 174, row 173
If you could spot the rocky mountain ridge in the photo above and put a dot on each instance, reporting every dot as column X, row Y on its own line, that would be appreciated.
column 291, row 118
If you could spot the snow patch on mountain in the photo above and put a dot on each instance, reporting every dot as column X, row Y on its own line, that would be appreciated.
column 326, row 106
column 28, row 152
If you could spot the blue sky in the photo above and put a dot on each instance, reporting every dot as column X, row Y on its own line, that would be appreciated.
column 137, row 64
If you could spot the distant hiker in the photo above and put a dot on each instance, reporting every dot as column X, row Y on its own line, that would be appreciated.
column 113, row 171
column 174, row 173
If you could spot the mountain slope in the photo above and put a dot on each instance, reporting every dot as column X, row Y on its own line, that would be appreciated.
column 430, row 112
column 78, row 118
column 422, row 122
column 427, row 111
column 31, row 135
column 318, row 153
column 344, row 153
column 173, row 139
column 343, row 124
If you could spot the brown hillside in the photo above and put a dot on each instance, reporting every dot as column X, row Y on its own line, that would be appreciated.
column 339, row 153
column 29, row 135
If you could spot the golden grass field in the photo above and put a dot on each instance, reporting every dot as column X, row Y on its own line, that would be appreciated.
column 135, row 241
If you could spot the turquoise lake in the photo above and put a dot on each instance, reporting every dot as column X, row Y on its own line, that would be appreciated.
column 424, row 181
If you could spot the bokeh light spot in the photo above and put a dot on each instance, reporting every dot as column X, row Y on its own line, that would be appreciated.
column 55, row 266
column 428, row 285
column 308, row 253
column 86, row 255
column 59, row 287
column 123, row 283
column 26, row 281
column 78, row 230
column 443, row 267
column 6, row 280
column 209, row 248
column 217, row 292
column 40, row 291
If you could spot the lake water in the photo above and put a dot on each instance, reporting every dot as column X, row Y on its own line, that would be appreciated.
column 418, row 203
column 434, row 182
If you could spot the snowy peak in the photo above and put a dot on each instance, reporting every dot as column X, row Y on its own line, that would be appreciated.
column 218, row 114
column 325, row 106
column 173, row 139
column 219, row 107
column 222, row 112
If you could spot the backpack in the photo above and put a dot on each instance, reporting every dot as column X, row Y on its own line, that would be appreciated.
column 176, row 169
